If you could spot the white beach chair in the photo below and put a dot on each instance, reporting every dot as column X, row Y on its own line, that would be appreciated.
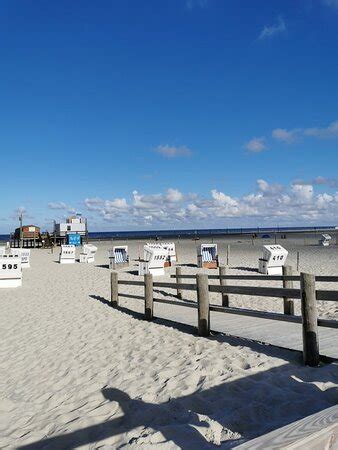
column 25, row 254
column 273, row 260
column 207, row 256
column 67, row 254
column 118, row 257
column 325, row 240
column 153, row 260
column 171, row 249
column 10, row 268
column 88, row 253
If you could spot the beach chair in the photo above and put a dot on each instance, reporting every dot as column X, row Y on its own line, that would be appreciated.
column 207, row 256
column 153, row 261
column 273, row 260
column 88, row 253
column 171, row 249
column 67, row 254
column 325, row 240
column 25, row 254
column 118, row 257
column 10, row 268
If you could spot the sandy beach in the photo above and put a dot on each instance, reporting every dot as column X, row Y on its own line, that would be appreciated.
column 76, row 373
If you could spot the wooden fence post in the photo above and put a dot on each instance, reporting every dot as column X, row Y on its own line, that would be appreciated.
column 149, row 296
column 203, row 304
column 228, row 254
column 112, row 263
column 297, row 261
column 309, row 319
column 223, row 282
column 114, row 289
column 178, row 280
column 289, row 307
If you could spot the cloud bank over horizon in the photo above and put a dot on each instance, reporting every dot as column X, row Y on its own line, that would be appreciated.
column 301, row 202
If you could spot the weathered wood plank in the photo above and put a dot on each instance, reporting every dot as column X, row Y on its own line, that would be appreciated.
column 131, row 282
column 183, row 286
column 254, row 313
column 315, row 431
column 319, row 278
column 259, row 291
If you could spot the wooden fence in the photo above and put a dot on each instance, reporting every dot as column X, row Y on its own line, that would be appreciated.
column 307, row 293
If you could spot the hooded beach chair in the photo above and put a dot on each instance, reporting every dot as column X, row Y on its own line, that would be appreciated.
column 10, row 268
column 88, row 253
column 153, row 261
column 325, row 240
column 67, row 254
column 118, row 257
column 273, row 260
column 171, row 249
column 207, row 256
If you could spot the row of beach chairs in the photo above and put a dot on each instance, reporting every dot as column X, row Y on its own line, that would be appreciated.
column 156, row 257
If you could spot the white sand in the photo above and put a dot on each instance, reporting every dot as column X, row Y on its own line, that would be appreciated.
column 79, row 374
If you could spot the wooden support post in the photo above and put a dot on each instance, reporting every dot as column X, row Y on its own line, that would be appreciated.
column 112, row 263
column 223, row 282
column 289, row 307
column 297, row 261
column 114, row 289
column 309, row 319
column 178, row 280
column 228, row 254
column 149, row 297
column 203, row 304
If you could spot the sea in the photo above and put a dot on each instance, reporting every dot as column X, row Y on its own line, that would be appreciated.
column 198, row 233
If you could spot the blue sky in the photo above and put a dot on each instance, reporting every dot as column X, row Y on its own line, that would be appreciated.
column 169, row 113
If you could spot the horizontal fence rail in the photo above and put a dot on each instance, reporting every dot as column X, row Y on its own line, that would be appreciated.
column 319, row 278
column 254, row 291
column 306, row 293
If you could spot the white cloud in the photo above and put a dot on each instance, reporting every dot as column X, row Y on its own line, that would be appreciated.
column 256, row 145
column 294, row 135
column 190, row 4
column 267, row 188
column 302, row 193
column 223, row 199
column 269, row 203
column 332, row 3
column 323, row 133
column 324, row 200
column 21, row 210
column 169, row 151
column 174, row 195
column 57, row 205
column 288, row 136
column 272, row 30
column 94, row 204
column 320, row 181
column 117, row 203
column 291, row 136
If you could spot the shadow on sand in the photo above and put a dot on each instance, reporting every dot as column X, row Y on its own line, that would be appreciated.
column 245, row 408
column 178, row 419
